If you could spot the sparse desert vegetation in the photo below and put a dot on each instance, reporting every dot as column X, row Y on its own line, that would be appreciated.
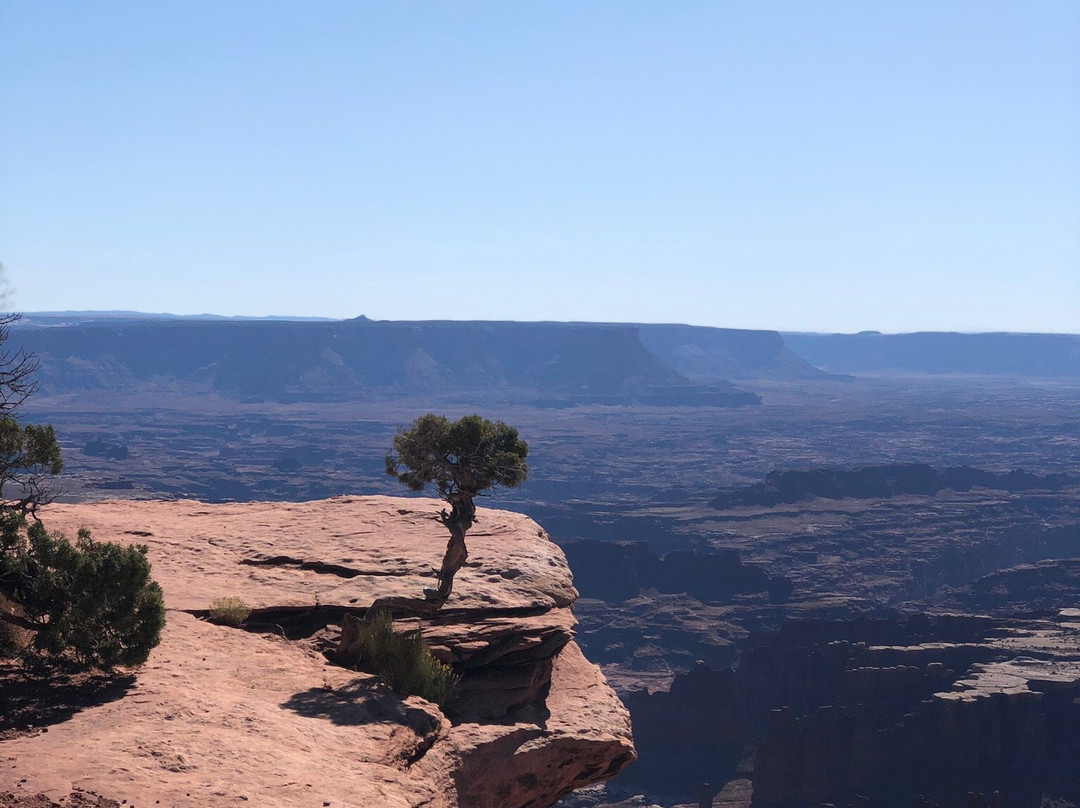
column 228, row 611
column 403, row 660
column 91, row 603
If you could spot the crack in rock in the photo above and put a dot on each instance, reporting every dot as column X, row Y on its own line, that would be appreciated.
column 326, row 568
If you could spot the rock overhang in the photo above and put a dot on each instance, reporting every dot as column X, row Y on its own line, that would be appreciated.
column 510, row 614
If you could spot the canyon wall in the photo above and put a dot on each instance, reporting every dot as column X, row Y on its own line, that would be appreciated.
column 885, row 709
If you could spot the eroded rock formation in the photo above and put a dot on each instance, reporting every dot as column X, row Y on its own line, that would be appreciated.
column 828, row 711
column 874, row 482
column 220, row 716
column 619, row 571
column 688, row 735
column 965, row 706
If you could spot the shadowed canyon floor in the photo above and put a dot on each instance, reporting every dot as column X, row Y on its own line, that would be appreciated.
column 222, row 716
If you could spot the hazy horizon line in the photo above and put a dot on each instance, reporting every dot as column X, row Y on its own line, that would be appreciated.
column 102, row 314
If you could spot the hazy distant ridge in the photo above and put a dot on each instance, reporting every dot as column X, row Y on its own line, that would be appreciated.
column 996, row 354
column 74, row 317
column 553, row 364
column 708, row 355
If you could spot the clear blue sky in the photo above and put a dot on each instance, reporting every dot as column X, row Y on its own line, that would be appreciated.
column 802, row 165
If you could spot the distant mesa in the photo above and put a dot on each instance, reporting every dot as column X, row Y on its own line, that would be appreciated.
column 709, row 355
column 301, row 456
column 78, row 316
column 544, row 364
column 1045, row 585
column 945, row 353
column 105, row 448
column 874, row 482
column 287, row 464
column 964, row 478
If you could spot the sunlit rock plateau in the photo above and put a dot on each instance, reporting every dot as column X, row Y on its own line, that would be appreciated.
column 225, row 716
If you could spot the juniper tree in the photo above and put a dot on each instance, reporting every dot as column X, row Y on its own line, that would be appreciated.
column 90, row 602
column 462, row 459
column 29, row 453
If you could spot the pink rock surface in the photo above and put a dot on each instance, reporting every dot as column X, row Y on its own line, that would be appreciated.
column 224, row 717
column 389, row 545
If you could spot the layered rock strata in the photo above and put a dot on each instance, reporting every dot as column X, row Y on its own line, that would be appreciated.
column 620, row 571
column 887, row 709
column 998, row 710
column 222, row 716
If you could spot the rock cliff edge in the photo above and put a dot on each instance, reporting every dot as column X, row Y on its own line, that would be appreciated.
column 224, row 716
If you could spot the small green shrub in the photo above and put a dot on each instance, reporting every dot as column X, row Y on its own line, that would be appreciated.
column 403, row 661
column 229, row 611
column 91, row 603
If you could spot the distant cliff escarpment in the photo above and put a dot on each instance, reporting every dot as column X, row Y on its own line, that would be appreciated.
column 1024, row 355
column 873, row 482
column 544, row 364
column 709, row 355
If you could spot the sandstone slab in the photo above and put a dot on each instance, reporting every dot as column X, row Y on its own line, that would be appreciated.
column 223, row 717
column 345, row 551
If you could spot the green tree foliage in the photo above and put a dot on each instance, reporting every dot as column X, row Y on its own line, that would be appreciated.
column 90, row 602
column 29, row 453
column 94, row 602
column 462, row 459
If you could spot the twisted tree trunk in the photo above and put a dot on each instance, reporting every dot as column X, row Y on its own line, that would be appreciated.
column 458, row 521
column 20, row 622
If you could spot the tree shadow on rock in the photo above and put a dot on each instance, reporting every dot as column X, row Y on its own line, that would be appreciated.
column 364, row 701
column 33, row 702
